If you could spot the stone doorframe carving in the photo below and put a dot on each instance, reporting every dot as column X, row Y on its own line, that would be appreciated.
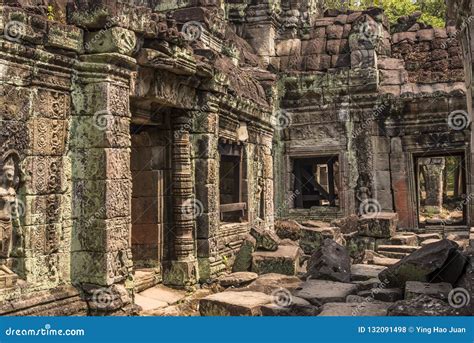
column 409, row 201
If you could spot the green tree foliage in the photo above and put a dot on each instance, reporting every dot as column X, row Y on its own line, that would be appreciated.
column 433, row 11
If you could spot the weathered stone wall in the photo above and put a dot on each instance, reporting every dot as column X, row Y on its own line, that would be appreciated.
column 68, row 96
column 351, row 89
column 461, row 13
column 275, row 78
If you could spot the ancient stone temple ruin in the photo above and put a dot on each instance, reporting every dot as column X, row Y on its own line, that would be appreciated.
column 149, row 143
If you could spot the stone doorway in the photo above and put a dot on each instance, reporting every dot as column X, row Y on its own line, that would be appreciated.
column 441, row 190
column 150, row 167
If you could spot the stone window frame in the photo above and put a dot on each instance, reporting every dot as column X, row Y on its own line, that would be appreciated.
column 242, row 203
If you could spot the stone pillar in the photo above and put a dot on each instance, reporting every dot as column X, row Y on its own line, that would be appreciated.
column 101, row 261
column 461, row 12
column 206, row 161
column 403, row 191
column 432, row 170
column 183, row 270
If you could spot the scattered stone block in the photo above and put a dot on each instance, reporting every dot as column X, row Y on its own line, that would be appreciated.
column 383, row 294
column 330, row 262
column 319, row 292
column 354, row 309
column 285, row 261
column 357, row 245
column 347, row 224
column 427, row 264
column 380, row 225
column 429, row 241
column 237, row 279
column 312, row 237
column 367, row 284
column 265, row 239
column 296, row 307
column 234, row 304
column 288, row 229
column 424, row 305
column 435, row 290
column 363, row 272
column 243, row 259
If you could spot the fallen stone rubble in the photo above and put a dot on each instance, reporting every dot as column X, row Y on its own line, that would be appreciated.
column 284, row 279
column 273, row 275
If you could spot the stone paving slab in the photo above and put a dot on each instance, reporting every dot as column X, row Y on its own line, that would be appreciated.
column 164, row 294
column 362, row 272
column 319, row 292
column 148, row 304
column 234, row 304
column 436, row 290
column 355, row 309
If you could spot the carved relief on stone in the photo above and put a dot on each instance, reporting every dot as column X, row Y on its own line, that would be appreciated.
column 45, row 175
column 15, row 103
column 13, row 135
column 51, row 104
column 9, row 206
column 49, row 136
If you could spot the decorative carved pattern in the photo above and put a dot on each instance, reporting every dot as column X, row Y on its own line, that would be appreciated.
column 182, row 189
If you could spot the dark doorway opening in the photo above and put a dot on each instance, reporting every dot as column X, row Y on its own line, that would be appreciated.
column 316, row 181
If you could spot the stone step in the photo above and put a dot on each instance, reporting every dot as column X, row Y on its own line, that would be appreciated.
column 424, row 236
column 406, row 249
column 394, row 255
column 457, row 235
column 404, row 239
column 429, row 241
column 372, row 257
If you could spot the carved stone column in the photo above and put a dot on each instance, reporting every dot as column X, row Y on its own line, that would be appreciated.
column 102, row 187
column 432, row 170
column 183, row 270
